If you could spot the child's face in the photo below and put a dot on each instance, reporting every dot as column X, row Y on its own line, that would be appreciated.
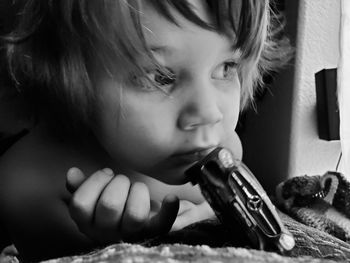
column 160, row 135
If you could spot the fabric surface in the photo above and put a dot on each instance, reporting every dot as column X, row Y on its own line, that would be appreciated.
column 183, row 253
column 209, row 241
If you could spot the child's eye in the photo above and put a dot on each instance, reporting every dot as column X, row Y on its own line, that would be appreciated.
column 156, row 80
column 225, row 71
column 161, row 79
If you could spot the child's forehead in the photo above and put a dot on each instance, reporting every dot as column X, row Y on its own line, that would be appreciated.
column 201, row 12
column 150, row 15
column 161, row 33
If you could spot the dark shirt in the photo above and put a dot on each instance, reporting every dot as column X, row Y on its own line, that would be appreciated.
column 5, row 144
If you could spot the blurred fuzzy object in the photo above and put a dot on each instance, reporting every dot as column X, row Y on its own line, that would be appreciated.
column 322, row 202
column 9, row 255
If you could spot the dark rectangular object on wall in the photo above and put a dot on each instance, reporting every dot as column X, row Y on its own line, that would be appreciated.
column 327, row 104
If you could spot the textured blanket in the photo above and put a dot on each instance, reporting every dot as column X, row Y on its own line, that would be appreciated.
column 209, row 241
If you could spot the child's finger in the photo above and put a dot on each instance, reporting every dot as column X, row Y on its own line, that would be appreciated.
column 136, row 211
column 83, row 202
column 111, row 203
column 75, row 177
column 161, row 223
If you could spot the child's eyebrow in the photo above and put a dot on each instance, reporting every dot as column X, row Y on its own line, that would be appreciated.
column 169, row 49
column 161, row 49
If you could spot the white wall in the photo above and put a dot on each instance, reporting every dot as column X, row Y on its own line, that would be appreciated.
column 281, row 139
column 317, row 48
column 343, row 87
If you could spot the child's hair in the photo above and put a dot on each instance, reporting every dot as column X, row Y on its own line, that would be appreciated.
column 57, row 47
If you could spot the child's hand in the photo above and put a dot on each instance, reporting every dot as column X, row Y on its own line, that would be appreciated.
column 109, row 208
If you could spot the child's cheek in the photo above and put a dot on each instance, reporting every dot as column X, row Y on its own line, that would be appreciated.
column 233, row 143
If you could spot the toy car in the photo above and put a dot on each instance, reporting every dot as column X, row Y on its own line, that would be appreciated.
column 236, row 196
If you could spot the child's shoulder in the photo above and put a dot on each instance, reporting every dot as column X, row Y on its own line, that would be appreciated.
column 37, row 165
column 33, row 195
column 33, row 154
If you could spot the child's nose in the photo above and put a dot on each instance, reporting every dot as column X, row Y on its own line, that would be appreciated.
column 201, row 107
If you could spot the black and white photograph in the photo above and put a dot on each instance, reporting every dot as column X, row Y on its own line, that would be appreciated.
column 174, row 131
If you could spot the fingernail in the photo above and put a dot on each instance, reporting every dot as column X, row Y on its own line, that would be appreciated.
column 108, row 171
column 72, row 171
column 171, row 198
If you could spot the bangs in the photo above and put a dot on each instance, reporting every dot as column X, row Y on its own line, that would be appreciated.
column 240, row 20
column 246, row 22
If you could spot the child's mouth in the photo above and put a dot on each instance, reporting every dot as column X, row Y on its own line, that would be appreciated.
column 192, row 156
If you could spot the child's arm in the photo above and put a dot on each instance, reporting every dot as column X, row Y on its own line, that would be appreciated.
column 36, row 216
column 34, row 201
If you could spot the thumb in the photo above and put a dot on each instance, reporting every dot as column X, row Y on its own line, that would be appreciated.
column 162, row 222
column 75, row 177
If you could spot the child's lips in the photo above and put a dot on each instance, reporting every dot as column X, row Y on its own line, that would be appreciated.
column 191, row 156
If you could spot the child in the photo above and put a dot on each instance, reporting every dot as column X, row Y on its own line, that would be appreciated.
column 126, row 96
